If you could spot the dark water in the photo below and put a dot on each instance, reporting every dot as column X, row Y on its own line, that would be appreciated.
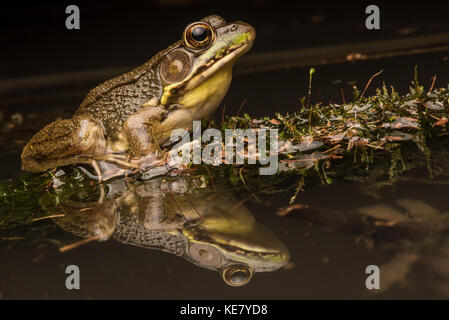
column 324, row 263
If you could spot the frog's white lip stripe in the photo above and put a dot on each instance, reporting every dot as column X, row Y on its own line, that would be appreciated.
column 236, row 246
column 198, row 79
column 259, row 260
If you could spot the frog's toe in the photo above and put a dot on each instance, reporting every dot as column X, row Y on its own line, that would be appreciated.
column 105, row 171
column 118, row 159
column 110, row 170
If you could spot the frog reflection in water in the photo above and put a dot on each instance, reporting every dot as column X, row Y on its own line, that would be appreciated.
column 124, row 121
column 211, row 231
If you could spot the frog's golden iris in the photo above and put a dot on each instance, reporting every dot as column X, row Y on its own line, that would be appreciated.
column 199, row 35
column 237, row 275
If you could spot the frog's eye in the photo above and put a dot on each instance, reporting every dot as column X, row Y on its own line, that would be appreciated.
column 198, row 35
column 237, row 275
column 175, row 66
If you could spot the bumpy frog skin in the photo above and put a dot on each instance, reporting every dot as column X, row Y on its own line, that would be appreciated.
column 128, row 117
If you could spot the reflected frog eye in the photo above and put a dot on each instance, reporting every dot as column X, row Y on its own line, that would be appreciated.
column 198, row 35
column 237, row 275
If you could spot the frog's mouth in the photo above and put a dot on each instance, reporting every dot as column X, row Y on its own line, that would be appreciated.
column 242, row 254
column 260, row 260
column 217, row 62
column 236, row 250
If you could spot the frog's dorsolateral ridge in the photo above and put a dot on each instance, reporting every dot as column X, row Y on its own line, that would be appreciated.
column 129, row 117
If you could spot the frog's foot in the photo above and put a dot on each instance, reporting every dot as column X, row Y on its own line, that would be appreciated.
column 112, row 165
column 105, row 171
column 118, row 159
column 150, row 160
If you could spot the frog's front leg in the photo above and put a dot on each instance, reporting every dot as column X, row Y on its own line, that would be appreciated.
column 139, row 128
column 64, row 142
column 153, row 214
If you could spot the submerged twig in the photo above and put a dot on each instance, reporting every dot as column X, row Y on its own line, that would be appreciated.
column 246, row 186
column 369, row 81
column 49, row 217
column 433, row 83
column 240, row 108
column 79, row 243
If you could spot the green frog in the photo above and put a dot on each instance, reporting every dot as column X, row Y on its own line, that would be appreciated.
column 129, row 117
column 179, row 216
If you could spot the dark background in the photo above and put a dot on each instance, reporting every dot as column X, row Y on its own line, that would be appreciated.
column 35, row 42
column 120, row 35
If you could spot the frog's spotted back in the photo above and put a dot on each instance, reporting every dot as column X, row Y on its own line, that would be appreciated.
column 148, row 70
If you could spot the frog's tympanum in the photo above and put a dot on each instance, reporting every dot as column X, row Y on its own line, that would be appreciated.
column 128, row 117
column 210, row 230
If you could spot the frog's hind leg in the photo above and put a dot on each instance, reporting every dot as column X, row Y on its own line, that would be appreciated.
column 64, row 142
